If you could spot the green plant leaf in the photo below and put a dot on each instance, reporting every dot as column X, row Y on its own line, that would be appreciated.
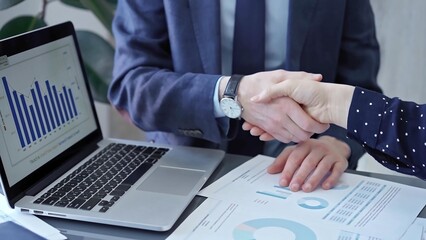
column 97, row 86
column 20, row 25
column 78, row 4
column 103, row 10
column 98, row 58
column 8, row 3
column 113, row 3
column 73, row 3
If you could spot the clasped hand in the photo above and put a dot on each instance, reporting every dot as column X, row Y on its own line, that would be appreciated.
column 283, row 119
column 292, row 109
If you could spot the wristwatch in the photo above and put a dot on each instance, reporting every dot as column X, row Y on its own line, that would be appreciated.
column 229, row 103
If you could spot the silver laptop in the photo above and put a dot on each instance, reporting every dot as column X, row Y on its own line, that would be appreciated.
column 54, row 159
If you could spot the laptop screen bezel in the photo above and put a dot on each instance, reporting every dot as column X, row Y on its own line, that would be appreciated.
column 65, row 160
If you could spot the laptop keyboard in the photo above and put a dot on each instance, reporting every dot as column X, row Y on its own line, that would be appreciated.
column 101, row 181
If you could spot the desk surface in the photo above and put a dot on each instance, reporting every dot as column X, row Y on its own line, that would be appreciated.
column 92, row 231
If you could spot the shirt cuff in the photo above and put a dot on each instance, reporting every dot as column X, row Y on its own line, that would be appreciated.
column 218, row 113
column 365, row 116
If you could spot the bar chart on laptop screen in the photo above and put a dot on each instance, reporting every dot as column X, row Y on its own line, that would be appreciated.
column 42, row 103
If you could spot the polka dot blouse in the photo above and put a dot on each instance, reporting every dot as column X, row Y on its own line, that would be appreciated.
column 391, row 130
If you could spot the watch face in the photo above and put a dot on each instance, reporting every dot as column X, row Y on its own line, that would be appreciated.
column 231, row 108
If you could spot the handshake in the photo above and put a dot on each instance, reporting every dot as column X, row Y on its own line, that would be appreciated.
column 291, row 107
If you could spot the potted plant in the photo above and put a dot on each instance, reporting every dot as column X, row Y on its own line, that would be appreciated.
column 93, row 46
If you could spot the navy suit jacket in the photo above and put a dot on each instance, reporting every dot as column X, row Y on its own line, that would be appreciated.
column 168, row 58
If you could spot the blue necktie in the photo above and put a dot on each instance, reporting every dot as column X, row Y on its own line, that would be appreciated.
column 248, row 57
column 249, row 37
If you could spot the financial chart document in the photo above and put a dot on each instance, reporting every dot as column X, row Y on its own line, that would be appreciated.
column 248, row 203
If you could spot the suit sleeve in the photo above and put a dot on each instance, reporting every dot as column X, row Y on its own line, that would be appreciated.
column 391, row 130
column 145, row 86
column 359, row 60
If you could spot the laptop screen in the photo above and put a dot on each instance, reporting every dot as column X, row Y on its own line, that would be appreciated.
column 45, row 107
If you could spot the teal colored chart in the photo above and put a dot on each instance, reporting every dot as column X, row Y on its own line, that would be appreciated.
column 246, row 230
column 341, row 187
column 277, row 194
column 312, row 203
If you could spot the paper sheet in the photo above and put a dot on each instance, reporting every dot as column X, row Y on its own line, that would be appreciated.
column 28, row 221
column 248, row 201
column 417, row 230
column 220, row 219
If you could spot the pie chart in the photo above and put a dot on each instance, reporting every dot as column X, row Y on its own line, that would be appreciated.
column 312, row 203
column 248, row 229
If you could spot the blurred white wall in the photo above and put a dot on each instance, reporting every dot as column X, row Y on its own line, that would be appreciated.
column 401, row 31
column 112, row 124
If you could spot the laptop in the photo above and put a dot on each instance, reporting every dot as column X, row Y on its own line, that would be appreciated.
column 54, row 159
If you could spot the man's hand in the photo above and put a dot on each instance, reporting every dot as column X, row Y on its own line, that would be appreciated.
column 256, row 131
column 316, row 161
column 325, row 102
column 283, row 118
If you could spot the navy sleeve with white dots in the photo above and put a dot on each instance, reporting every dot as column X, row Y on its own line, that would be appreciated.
column 391, row 130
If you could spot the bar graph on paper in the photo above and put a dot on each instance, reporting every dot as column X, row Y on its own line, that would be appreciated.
column 41, row 102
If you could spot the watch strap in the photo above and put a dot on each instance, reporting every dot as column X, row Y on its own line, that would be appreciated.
column 234, row 127
column 232, row 86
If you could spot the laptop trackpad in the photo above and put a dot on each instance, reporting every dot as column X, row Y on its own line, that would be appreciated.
column 171, row 181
